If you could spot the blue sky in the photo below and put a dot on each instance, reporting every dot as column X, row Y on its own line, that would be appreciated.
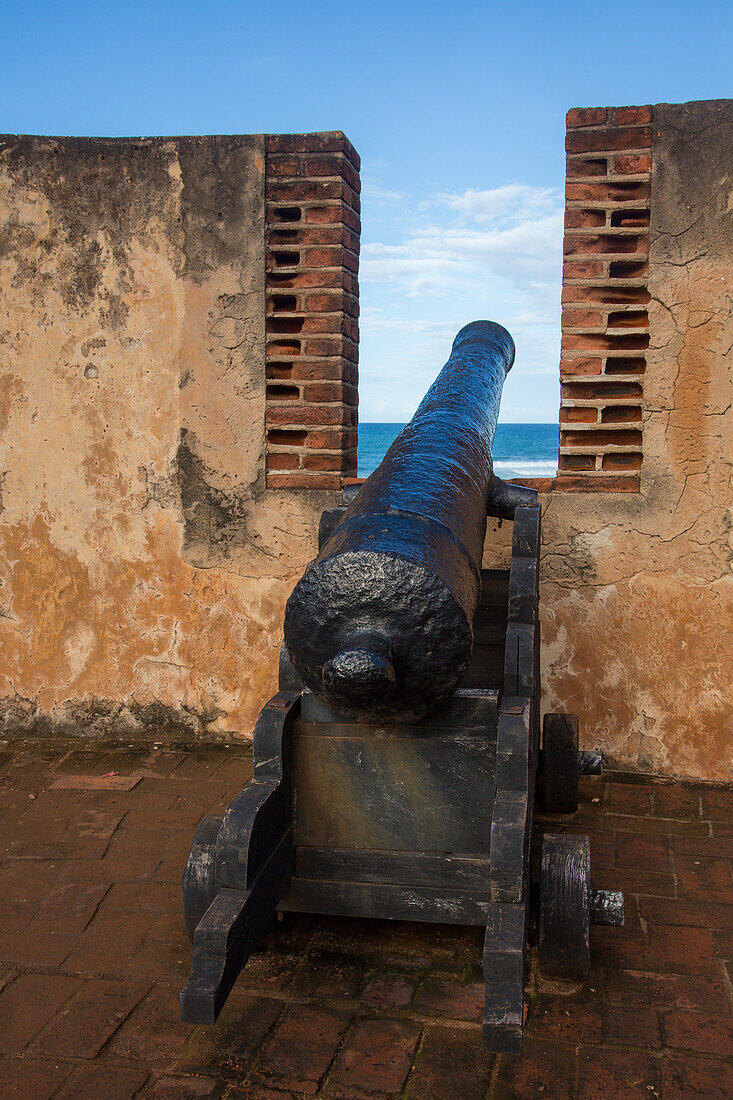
column 457, row 110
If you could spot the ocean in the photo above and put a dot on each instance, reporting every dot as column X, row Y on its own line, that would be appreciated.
column 520, row 450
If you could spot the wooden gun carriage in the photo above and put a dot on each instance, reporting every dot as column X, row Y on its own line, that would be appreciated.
column 367, row 802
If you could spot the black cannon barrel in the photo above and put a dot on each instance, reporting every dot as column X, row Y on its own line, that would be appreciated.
column 380, row 624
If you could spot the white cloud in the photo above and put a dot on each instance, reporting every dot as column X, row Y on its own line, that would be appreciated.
column 453, row 258
column 512, row 232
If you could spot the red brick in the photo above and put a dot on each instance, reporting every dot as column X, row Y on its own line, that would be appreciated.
column 32, row 1078
column 695, row 913
column 329, row 440
column 632, row 116
column 341, row 463
column 84, row 1025
column 653, row 826
column 582, row 269
column 682, row 950
column 570, row 368
column 110, row 1082
column 452, row 999
column 642, row 853
column 639, row 1028
column 185, row 1088
column 628, row 798
column 585, row 116
column 333, row 165
column 633, row 163
column 375, row 1060
column 336, row 346
column 581, row 318
column 566, row 1019
column 609, row 138
column 702, row 846
column 607, row 192
column 705, row 878
column 280, row 461
column 451, row 1055
column 606, row 244
column 696, row 1031
column 717, row 805
column 629, row 987
column 584, row 219
column 323, row 215
column 295, row 416
column 95, row 782
column 674, row 801
column 724, row 944
column 616, row 1075
column 28, row 1003
column 284, row 166
column 388, row 991
column 684, row 1077
column 302, row 1047
column 328, row 974
column 580, row 167
column 331, row 391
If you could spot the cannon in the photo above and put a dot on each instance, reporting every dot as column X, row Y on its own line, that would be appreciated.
column 396, row 769
column 380, row 625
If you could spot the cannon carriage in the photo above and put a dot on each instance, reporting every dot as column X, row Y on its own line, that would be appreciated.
column 396, row 769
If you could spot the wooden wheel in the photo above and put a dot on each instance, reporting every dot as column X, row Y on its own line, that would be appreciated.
column 565, row 907
column 199, row 881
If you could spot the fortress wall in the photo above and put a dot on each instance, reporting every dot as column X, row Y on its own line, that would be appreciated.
column 144, row 559
column 637, row 593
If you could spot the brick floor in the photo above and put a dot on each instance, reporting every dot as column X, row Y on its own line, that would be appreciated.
column 93, row 955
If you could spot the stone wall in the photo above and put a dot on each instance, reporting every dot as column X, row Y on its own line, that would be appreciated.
column 144, row 562
column 637, row 594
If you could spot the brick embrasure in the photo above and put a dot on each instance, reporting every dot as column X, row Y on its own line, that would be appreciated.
column 313, row 226
column 605, row 324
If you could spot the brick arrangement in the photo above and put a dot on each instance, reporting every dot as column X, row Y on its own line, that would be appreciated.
column 605, row 324
column 313, row 224
column 93, row 955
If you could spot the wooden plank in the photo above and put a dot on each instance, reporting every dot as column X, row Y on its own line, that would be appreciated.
column 504, row 959
column 494, row 587
column 385, row 901
column 469, row 709
column 329, row 521
column 489, row 626
column 398, row 792
column 523, row 590
column 254, row 823
column 271, row 741
column 227, row 934
column 513, row 750
column 436, row 869
column 486, row 668
column 520, row 659
column 509, row 845
column 526, row 532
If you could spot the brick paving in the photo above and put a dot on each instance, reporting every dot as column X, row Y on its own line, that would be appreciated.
column 93, row 955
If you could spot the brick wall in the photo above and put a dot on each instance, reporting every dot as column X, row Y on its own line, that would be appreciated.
column 312, row 191
column 605, row 325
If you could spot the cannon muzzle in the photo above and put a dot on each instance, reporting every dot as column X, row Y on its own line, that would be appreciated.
column 380, row 624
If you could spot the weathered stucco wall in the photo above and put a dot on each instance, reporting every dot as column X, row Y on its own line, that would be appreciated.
column 637, row 592
column 143, row 565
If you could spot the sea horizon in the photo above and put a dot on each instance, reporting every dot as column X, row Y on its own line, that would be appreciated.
column 520, row 449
